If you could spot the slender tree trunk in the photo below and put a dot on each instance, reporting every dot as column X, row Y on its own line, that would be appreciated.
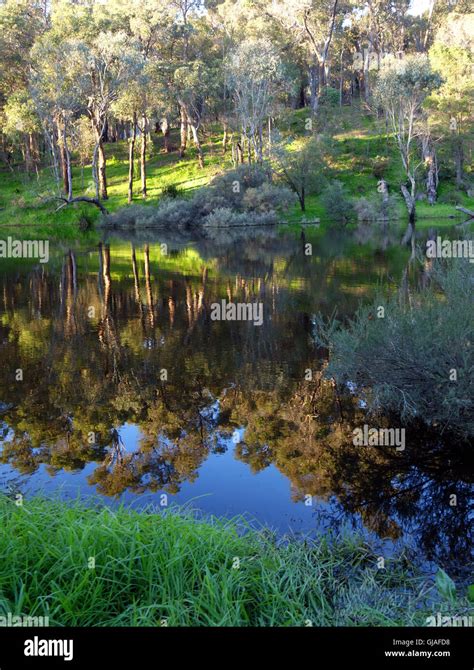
column 183, row 131
column 49, row 136
column 259, row 145
column 68, row 164
column 143, row 156
column 341, row 80
column 459, row 162
column 99, row 161
column 62, row 156
column 410, row 202
column 225, row 137
column 302, row 199
column 27, row 155
column 314, row 87
column 429, row 156
column 239, row 153
column 197, row 142
column 102, row 166
column 131, row 151
column 165, row 129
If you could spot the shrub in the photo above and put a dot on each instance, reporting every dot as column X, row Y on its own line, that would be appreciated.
column 254, row 202
column 337, row 203
column 402, row 362
column 370, row 211
column 221, row 216
column 329, row 97
column 267, row 198
column 366, row 210
column 451, row 198
column 231, row 186
column 176, row 214
column 171, row 191
column 224, row 217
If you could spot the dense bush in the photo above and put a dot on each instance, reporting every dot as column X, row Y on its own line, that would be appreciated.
column 224, row 217
column 451, row 198
column 244, row 196
column 372, row 210
column 267, row 198
column 171, row 191
column 403, row 361
column 337, row 203
column 329, row 97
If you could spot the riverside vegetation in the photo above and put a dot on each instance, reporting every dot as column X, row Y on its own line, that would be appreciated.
column 83, row 86
column 167, row 568
column 346, row 128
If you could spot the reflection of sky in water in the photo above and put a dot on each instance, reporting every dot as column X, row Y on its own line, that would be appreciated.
column 224, row 486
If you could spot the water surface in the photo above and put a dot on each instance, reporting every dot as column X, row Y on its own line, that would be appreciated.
column 132, row 392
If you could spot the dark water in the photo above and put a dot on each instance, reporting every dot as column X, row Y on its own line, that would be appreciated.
column 132, row 392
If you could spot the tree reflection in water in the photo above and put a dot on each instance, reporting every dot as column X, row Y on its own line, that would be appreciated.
column 122, row 334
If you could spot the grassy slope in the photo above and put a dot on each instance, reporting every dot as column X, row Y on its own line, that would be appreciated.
column 151, row 567
column 356, row 142
column 22, row 199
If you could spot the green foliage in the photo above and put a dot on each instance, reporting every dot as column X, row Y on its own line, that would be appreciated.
column 403, row 361
column 470, row 593
column 300, row 165
column 155, row 566
column 20, row 114
column 445, row 585
column 338, row 204
column 329, row 97
column 237, row 197
column 373, row 209
column 171, row 191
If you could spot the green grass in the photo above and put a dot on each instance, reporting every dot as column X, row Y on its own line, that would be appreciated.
column 151, row 567
column 356, row 142
column 24, row 200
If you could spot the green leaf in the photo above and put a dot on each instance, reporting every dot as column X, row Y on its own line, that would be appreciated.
column 445, row 584
column 470, row 593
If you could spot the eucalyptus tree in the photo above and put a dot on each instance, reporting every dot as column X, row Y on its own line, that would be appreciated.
column 195, row 84
column 107, row 66
column 451, row 107
column 401, row 89
column 57, row 95
column 136, row 103
column 314, row 23
column 21, row 124
column 21, row 23
column 300, row 164
column 254, row 75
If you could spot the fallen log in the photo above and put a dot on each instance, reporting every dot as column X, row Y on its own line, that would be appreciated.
column 92, row 201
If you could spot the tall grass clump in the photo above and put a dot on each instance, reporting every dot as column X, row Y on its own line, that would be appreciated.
column 154, row 566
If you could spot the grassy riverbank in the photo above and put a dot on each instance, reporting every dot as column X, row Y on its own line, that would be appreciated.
column 357, row 144
column 152, row 567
